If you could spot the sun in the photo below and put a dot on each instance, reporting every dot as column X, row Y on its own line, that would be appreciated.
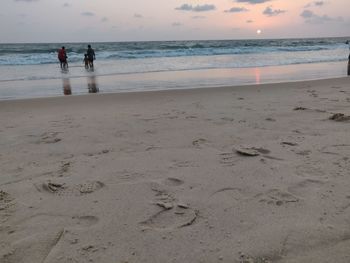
column 258, row 31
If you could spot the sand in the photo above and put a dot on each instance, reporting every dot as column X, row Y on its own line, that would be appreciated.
column 235, row 174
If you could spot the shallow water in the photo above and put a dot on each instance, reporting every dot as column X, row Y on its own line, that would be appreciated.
column 93, row 82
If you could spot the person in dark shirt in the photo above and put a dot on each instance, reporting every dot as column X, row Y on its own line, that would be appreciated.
column 91, row 56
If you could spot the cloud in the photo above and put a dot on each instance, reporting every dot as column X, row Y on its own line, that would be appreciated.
column 249, row 21
column 253, row 2
column 197, row 8
column 236, row 10
column 87, row 14
column 138, row 16
column 198, row 17
column 273, row 12
column 319, row 3
column 307, row 14
column 104, row 19
column 316, row 3
column 312, row 18
column 176, row 24
column 66, row 5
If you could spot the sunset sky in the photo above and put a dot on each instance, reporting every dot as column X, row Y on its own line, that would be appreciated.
column 132, row 20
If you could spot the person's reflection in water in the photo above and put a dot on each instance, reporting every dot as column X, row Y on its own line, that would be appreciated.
column 92, row 84
column 67, row 90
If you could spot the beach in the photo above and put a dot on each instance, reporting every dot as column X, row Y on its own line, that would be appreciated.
column 246, row 174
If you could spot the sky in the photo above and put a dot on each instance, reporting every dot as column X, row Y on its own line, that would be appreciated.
column 33, row 21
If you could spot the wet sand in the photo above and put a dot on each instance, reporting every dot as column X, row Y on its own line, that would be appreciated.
column 77, row 80
column 235, row 174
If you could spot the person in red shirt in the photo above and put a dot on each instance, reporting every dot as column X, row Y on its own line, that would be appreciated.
column 62, row 57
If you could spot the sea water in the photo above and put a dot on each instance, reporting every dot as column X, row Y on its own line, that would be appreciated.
column 32, row 70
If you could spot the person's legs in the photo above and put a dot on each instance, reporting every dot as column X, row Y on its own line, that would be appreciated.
column 64, row 64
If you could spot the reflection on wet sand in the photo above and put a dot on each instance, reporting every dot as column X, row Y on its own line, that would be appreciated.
column 92, row 84
column 67, row 89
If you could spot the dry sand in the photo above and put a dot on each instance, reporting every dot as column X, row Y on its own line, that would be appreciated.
column 241, row 174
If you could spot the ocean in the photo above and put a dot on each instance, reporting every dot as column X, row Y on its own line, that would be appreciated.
column 27, row 69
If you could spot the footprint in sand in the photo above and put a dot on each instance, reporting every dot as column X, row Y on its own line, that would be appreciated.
column 5, row 200
column 104, row 151
column 199, row 142
column 38, row 237
column 61, row 189
column 173, row 214
column 171, row 181
column 65, row 166
column 251, row 151
column 300, row 108
column 277, row 197
column 228, row 159
column 6, row 206
column 340, row 117
column 173, row 217
column 307, row 187
column 49, row 137
column 228, row 194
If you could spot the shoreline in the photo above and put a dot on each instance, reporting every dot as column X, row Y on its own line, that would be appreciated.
column 180, row 90
column 169, row 80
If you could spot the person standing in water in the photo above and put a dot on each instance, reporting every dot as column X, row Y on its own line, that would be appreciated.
column 62, row 57
column 348, row 43
column 91, row 56
column 349, row 66
column 86, row 61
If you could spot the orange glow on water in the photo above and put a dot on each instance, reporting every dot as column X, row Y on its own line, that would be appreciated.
column 257, row 75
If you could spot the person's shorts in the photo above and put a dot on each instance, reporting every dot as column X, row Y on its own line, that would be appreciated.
column 63, row 60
